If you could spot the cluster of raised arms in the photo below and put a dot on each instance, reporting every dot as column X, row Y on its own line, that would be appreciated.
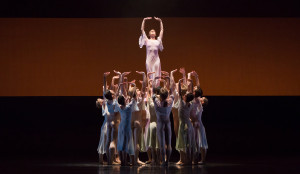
column 138, row 119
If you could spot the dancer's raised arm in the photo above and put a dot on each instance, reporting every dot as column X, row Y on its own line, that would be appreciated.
column 161, row 33
column 104, row 83
column 172, row 81
column 144, row 83
column 182, row 71
column 112, row 84
column 179, row 87
column 143, row 25
column 193, row 73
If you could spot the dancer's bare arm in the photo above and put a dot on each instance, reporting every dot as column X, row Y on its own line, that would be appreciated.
column 193, row 73
column 143, row 25
column 182, row 71
column 144, row 83
column 105, row 83
column 172, row 81
column 161, row 33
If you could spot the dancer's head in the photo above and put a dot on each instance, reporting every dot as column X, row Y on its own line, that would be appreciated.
column 204, row 101
column 109, row 95
column 189, row 97
column 163, row 93
column 121, row 100
column 99, row 102
column 132, row 92
column 198, row 92
column 156, row 90
column 152, row 34
column 184, row 89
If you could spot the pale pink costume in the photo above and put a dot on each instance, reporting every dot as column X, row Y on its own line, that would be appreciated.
column 152, row 58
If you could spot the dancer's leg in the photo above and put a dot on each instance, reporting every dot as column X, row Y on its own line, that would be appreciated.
column 108, row 140
column 137, row 132
column 169, row 139
column 203, row 155
column 149, row 152
column 100, row 158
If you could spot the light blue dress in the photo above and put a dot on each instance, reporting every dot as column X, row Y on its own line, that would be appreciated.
column 107, row 109
column 125, row 139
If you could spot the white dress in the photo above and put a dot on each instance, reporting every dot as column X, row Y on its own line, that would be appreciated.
column 152, row 57
column 185, row 132
column 107, row 109
column 202, row 138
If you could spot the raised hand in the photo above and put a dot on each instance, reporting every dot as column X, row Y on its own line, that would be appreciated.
column 106, row 74
column 147, row 18
column 182, row 70
column 150, row 73
column 140, row 72
column 156, row 18
column 173, row 71
column 165, row 73
column 193, row 73
column 117, row 72
column 126, row 73
column 115, row 77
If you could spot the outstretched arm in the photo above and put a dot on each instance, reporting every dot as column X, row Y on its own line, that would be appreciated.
column 182, row 71
column 179, row 87
column 190, row 85
column 172, row 81
column 143, row 24
column 193, row 73
column 104, row 83
column 144, row 84
column 161, row 33
column 112, row 85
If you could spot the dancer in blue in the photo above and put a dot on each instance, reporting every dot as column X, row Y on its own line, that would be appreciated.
column 125, row 140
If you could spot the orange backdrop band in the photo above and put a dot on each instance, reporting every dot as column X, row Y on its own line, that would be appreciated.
column 67, row 57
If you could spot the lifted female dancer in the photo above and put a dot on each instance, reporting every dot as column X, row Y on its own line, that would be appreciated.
column 152, row 46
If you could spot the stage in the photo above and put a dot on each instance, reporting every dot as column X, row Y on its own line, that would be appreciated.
column 230, row 165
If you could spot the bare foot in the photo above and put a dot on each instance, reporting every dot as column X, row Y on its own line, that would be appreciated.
column 140, row 162
column 179, row 163
column 201, row 162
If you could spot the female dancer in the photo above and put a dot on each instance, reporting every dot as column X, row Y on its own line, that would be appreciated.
column 108, row 105
column 125, row 141
column 163, row 105
column 151, row 140
column 199, row 129
column 152, row 47
column 137, row 119
column 185, row 140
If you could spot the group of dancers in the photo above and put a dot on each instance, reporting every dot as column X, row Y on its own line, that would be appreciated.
column 138, row 120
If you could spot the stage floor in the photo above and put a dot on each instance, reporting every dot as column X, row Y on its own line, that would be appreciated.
column 236, row 166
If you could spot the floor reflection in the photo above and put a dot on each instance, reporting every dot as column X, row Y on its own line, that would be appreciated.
column 147, row 169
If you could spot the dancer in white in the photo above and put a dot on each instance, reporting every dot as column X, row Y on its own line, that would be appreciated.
column 152, row 46
column 108, row 105
column 185, row 140
column 196, row 114
column 151, row 138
